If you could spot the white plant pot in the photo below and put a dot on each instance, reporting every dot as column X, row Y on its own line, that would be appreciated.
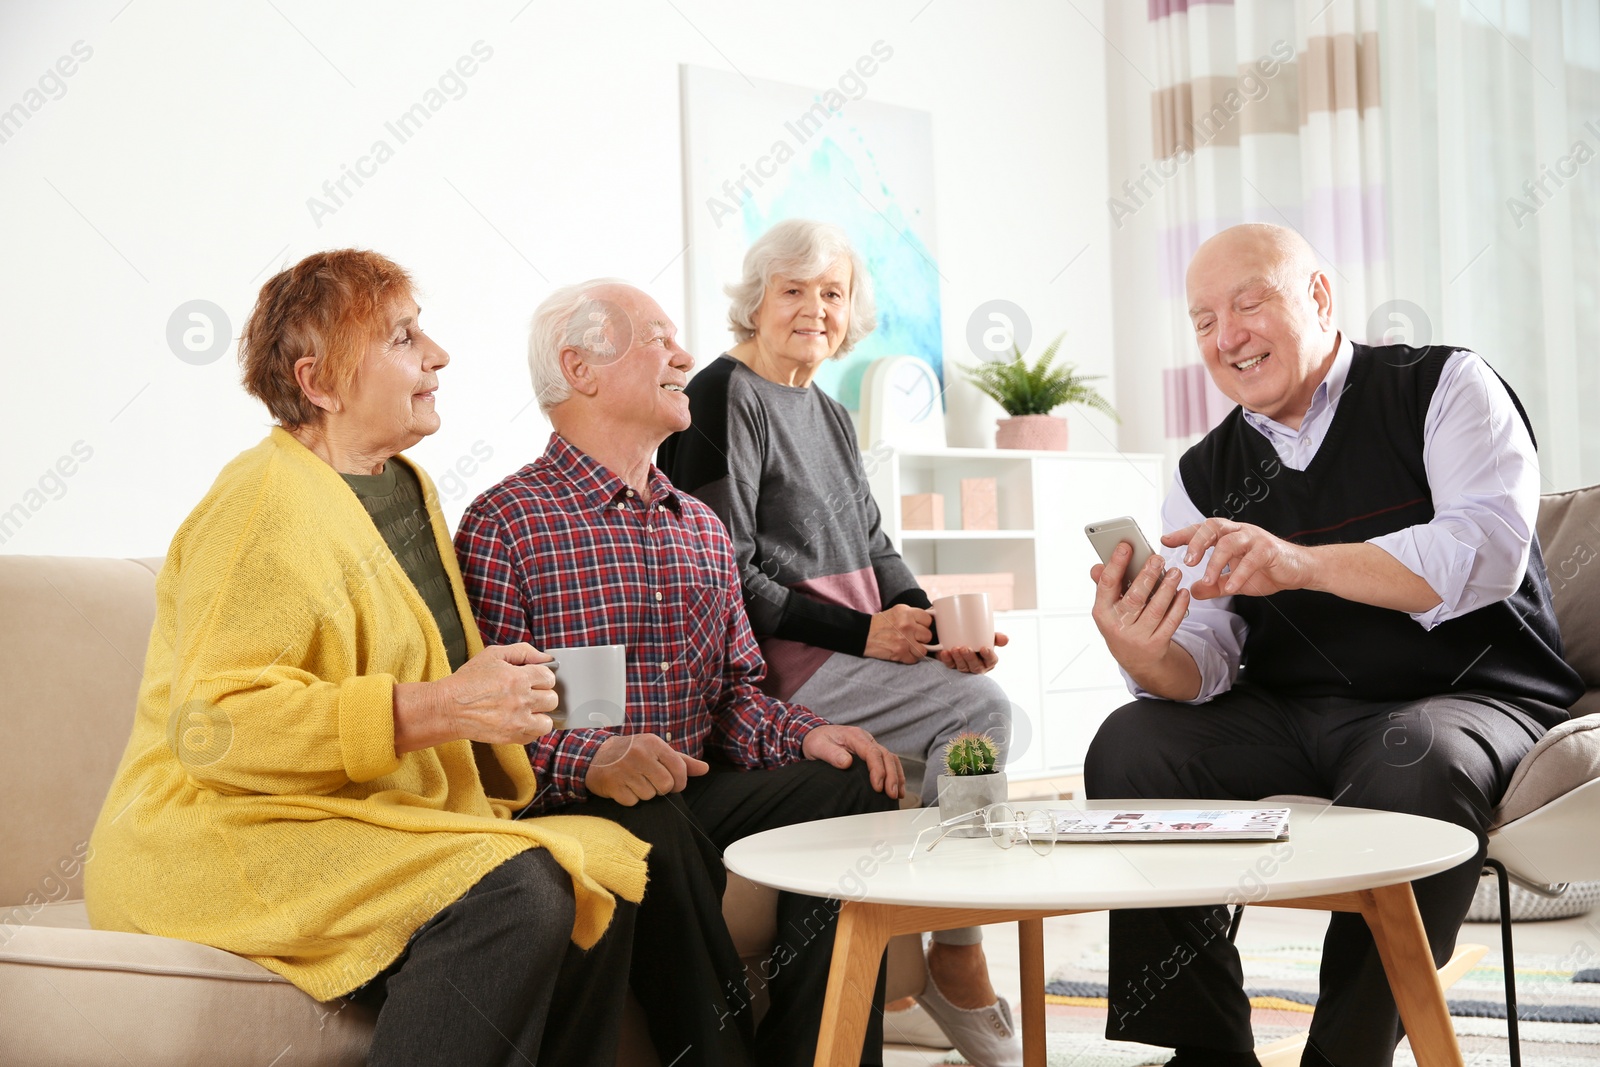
column 963, row 793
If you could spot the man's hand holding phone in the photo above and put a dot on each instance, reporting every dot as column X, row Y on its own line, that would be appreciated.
column 1137, row 611
column 1137, row 624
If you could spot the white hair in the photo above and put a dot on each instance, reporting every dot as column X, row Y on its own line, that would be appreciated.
column 800, row 248
column 570, row 317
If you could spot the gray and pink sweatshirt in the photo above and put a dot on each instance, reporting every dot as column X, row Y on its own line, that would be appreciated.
column 781, row 468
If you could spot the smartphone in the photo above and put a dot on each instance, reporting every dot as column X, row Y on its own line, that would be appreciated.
column 1107, row 534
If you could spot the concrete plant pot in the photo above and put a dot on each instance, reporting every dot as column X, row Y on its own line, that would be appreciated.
column 963, row 793
column 1038, row 432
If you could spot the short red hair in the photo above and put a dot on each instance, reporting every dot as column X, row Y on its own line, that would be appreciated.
column 330, row 305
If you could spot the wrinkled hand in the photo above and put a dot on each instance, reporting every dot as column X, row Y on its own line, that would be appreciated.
column 900, row 634
column 1138, row 625
column 629, row 768
column 501, row 696
column 967, row 661
column 838, row 745
column 1256, row 562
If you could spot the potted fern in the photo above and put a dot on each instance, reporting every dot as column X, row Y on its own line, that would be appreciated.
column 1030, row 393
column 972, row 779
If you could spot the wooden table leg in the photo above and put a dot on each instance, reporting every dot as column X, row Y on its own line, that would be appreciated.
column 862, row 934
column 1402, row 943
column 1030, row 952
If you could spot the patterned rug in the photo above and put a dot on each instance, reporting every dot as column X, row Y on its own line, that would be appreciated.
column 1560, row 1016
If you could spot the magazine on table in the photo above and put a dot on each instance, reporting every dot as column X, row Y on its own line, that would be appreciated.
column 1145, row 824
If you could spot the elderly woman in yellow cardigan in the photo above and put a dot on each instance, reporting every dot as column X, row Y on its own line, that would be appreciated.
column 326, row 763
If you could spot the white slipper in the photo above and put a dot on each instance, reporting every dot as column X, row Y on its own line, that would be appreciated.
column 913, row 1026
column 987, row 1037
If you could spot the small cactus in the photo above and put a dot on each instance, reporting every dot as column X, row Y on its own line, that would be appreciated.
column 970, row 753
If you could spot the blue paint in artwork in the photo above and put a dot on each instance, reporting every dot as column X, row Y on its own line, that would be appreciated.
column 905, row 279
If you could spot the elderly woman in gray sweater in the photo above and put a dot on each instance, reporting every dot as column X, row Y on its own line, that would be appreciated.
column 841, row 620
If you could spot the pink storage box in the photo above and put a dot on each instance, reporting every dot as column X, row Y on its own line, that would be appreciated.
column 922, row 511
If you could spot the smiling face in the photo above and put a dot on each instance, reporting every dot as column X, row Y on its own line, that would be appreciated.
column 1263, row 318
column 389, row 405
column 645, row 370
column 803, row 321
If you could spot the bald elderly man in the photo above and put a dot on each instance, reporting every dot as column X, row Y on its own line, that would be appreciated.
column 1354, row 606
column 590, row 544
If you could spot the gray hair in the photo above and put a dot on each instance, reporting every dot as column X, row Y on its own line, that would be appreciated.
column 570, row 317
column 800, row 248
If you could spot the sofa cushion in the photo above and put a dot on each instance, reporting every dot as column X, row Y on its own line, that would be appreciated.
column 75, row 996
column 72, row 645
column 1565, row 758
column 59, row 935
column 1569, row 535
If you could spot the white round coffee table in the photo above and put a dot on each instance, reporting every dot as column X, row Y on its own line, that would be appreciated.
column 1336, row 859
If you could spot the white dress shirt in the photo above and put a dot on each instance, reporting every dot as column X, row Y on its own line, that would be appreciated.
column 1483, row 475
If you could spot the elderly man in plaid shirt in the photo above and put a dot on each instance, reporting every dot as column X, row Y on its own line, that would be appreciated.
column 591, row 545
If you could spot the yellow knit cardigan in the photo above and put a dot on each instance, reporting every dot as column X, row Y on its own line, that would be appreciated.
column 260, row 806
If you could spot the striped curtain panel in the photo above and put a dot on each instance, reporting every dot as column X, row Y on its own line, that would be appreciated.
column 1263, row 111
column 1494, row 118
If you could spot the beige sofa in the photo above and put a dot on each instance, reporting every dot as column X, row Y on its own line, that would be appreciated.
column 72, row 643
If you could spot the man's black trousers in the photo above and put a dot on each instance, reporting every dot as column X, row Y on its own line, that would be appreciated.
column 1175, row 979
column 696, row 993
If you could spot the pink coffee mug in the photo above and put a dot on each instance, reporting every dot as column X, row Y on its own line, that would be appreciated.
column 964, row 621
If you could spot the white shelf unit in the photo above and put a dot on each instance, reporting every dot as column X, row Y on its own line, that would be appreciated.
column 1061, row 679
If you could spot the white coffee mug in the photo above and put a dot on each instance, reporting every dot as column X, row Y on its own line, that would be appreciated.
column 591, row 686
column 964, row 621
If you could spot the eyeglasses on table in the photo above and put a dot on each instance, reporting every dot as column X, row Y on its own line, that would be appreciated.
column 1004, row 825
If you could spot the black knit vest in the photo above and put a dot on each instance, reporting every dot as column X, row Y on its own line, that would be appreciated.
column 1368, row 479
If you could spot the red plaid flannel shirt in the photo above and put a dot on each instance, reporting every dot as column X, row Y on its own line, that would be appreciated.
column 563, row 553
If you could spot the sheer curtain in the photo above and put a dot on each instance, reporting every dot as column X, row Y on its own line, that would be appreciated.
column 1492, row 109
column 1262, row 111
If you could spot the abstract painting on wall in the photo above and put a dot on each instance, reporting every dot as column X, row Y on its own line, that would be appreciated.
column 758, row 152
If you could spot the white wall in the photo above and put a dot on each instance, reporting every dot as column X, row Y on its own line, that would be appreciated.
column 175, row 163
column 1129, row 70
